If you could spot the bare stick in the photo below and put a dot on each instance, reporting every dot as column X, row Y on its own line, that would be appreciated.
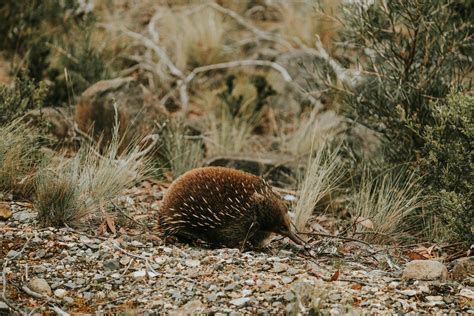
column 337, row 237
column 157, row 49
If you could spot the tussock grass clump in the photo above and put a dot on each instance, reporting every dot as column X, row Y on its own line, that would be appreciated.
column 311, row 130
column 69, row 191
column 323, row 173
column 180, row 150
column 382, row 208
column 19, row 155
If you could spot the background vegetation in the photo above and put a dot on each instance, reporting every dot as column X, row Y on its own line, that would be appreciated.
column 368, row 106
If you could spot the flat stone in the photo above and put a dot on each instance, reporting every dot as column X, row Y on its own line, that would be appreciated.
column 279, row 267
column 12, row 253
column 408, row 292
column 40, row 286
column 111, row 265
column 240, row 301
column 212, row 297
column 60, row 293
column 139, row 275
column 425, row 270
column 192, row 263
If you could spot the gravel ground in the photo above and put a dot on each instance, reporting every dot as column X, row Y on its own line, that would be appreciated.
column 137, row 273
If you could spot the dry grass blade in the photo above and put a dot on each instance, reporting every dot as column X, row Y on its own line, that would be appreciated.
column 386, row 202
column 180, row 151
column 323, row 173
column 71, row 190
column 18, row 155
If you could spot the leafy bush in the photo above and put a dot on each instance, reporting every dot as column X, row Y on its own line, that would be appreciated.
column 446, row 161
column 23, row 96
column 417, row 51
column 52, row 38
column 414, row 52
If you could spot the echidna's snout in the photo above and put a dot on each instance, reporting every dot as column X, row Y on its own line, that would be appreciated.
column 295, row 238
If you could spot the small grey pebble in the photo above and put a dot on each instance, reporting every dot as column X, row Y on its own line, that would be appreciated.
column 112, row 264
column 68, row 299
column 12, row 253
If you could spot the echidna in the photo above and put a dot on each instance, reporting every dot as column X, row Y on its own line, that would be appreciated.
column 224, row 207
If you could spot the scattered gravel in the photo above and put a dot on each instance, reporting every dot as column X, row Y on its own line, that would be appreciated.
column 136, row 273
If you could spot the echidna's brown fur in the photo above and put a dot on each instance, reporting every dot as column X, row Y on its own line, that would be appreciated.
column 224, row 206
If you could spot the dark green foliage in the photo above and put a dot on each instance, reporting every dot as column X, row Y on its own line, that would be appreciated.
column 446, row 160
column 414, row 53
column 84, row 64
column 52, row 38
column 24, row 95
column 417, row 53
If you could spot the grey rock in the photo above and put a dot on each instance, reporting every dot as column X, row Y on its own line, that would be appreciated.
column 289, row 296
column 292, row 271
column 139, row 275
column 80, row 281
column 68, row 300
column 36, row 240
column 23, row 216
column 12, row 253
column 112, row 265
column 40, row 286
column 92, row 246
column 212, row 297
column 192, row 263
column 239, row 302
column 70, row 285
column 60, row 293
column 40, row 253
column 230, row 287
column 287, row 279
column 425, row 270
column 99, row 277
column 4, row 309
column 279, row 267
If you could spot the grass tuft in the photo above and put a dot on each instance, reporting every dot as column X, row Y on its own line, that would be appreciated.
column 323, row 173
column 382, row 206
column 19, row 153
column 70, row 191
column 180, row 152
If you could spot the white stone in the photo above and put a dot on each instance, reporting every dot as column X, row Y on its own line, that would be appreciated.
column 240, row 301
column 192, row 263
column 139, row 275
column 60, row 293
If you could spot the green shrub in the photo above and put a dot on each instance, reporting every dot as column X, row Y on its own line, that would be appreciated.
column 414, row 53
column 446, row 160
column 52, row 40
column 24, row 95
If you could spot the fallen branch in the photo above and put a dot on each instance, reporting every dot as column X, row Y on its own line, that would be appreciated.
column 337, row 237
